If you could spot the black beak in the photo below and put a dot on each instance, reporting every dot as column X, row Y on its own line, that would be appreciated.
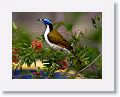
column 39, row 20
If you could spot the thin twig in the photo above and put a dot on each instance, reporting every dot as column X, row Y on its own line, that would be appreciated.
column 89, row 64
column 69, row 33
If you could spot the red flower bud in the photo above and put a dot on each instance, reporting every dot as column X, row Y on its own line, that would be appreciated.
column 37, row 45
column 15, row 58
column 63, row 64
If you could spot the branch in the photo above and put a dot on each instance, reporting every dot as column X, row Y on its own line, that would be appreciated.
column 88, row 65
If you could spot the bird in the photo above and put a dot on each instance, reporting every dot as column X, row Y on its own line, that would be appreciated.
column 55, row 40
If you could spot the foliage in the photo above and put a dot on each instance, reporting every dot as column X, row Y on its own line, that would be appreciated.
column 96, row 34
column 31, row 51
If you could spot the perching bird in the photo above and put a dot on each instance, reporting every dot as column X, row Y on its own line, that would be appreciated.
column 55, row 39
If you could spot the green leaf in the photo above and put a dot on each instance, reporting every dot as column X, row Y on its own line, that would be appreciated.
column 69, row 26
column 14, row 26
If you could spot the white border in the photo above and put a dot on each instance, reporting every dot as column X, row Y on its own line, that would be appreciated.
column 104, row 84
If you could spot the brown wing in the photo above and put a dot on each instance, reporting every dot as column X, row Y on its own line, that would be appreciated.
column 56, row 38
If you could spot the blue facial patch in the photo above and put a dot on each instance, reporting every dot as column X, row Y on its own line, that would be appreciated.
column 47, row 21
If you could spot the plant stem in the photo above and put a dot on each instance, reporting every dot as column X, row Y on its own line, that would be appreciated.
column 51, row 71
column 87, row 65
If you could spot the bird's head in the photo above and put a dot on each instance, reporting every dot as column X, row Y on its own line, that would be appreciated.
column 45, row 21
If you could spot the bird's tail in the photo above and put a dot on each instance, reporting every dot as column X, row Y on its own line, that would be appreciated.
column 73, row 52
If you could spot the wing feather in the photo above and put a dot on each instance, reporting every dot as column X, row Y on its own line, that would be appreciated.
column 56, row 38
